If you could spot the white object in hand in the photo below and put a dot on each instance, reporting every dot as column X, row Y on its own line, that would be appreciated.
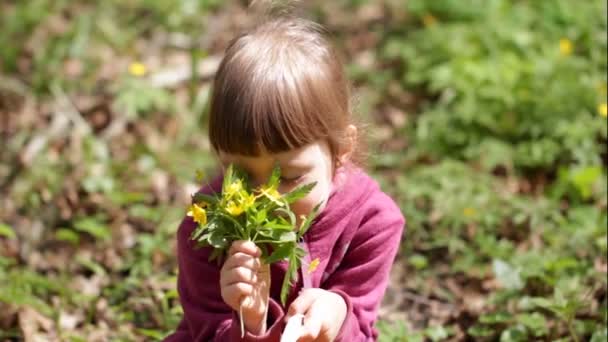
column 293, row 329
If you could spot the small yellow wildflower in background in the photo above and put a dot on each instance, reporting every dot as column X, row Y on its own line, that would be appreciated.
column 200, row 176
column 137, row 69
column 198, row 214
column 429, row 20
column 565, row 47
column 313, row 265
column 468, row 212
column 603, row 109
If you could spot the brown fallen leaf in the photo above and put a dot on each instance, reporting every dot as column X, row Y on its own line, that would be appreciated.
column 31, row 322
column 69, row 321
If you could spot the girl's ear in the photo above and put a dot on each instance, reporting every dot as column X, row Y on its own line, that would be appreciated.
column 348, row 145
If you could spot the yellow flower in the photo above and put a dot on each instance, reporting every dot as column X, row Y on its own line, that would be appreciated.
column 429, row 20
column 565, row 47
column 137, row 69
column 603, row 109
column 468, row 212
column 313, row 265
column 248, row 201
column 200, row 176
column 198, row 214
column 272, row 194
column 234, row 209
column 234, row 188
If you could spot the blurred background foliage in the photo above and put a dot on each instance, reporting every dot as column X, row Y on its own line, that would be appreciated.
column 485, row 119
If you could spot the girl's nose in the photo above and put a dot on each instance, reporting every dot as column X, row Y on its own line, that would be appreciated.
column 256, row 181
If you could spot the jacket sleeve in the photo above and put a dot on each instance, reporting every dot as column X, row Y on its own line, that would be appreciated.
column 206, row 316
column 362, row 276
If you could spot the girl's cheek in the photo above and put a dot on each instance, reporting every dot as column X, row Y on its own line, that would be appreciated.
column 302, row 207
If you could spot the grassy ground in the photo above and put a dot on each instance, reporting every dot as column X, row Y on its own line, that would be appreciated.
column 486, row 122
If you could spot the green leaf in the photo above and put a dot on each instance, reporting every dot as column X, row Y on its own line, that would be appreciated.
column 275, row 177
column 218, row 240
column 7, row 231
column 299, row 252
column 299, row 193
column 535, row 322
column 479, row 330
column 541, row 303
column 290, row 276
column 308, row 221
column 228, row 175
column 290, row 214
column 584, row 180
column 68, row 235
column 145, row 212
column 196, row 233
column 495, row 318
column 437, row 333
column 154, row 334
column 92, row 265
column 288, row 237
column 515, row 333
column 93, row 227
column 600, row 335
column 121, row 197
column 276, row 225
column 507, row 275
column 260, row 216
column 419, row 261
column 281, row 253
column 200, row 197
column 241, row 230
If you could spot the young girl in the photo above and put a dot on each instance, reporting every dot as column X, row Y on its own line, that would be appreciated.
column 280, row 96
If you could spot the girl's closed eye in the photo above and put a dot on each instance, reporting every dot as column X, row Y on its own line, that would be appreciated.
column 290, row 179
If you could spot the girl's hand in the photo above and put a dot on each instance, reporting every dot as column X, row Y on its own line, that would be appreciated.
column 245, row 281
column 324, row 312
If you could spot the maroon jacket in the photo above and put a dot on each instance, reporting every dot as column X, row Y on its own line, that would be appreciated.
column 356, row 238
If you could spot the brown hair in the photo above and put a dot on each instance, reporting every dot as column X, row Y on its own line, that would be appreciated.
column 279, row 87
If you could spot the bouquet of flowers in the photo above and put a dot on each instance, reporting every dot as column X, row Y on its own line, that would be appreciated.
column 261, row 215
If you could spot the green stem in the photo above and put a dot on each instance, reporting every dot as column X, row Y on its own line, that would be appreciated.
column 266, row 241
column 244, row 235
column 571, row 329
column 241, row 319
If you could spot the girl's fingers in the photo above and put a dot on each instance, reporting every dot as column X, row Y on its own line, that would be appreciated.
column 242, row 260
column 235, row 292
column 301, row 304
column 239, row 274
column 246, row 247
column 310, row 333
column 312, row 325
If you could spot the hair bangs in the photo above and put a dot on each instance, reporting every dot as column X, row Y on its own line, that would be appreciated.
column 249, row 118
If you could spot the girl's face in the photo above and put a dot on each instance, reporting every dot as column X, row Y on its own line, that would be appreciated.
column 311, row 163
